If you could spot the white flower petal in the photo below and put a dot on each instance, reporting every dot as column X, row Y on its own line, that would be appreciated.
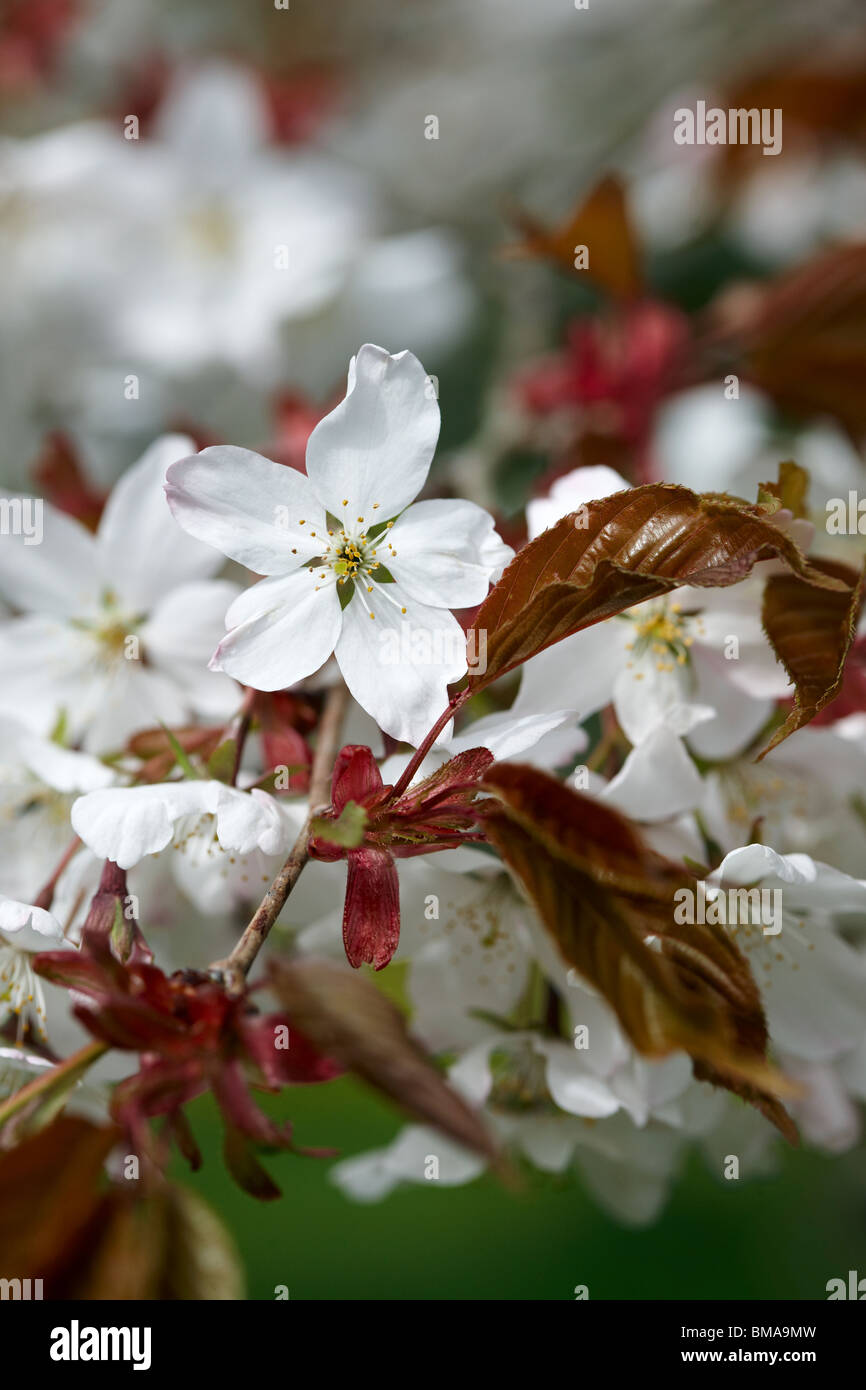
column 142, row 550
column 377, row 445
column 506, row 735
column 439, row 547
column 658, row 779
column 645, row 697
column 34, row 924
column 249, row 507
column 125, row 824
column 577, row 673
column 547, row 1140
column 753, row 864
column 571, row 492
column 45, row 665
column 366, row 1177
column 62, row 768
column 187, row 624
column 572, row 1087
column 399, row 666
column 738, row 717
column 251, row 820
column 288, row 640
column 824, row 1112
column 60, row 574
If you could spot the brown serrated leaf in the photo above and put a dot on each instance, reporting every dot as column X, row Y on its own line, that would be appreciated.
column 811, row 631
column 822, row 94
column 801, row 337
column 49, row 1196
column 608, row 901
column 619, row 551
column 345, row 1017
column 601, row 223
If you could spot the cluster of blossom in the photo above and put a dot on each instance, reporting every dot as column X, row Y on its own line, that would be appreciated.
column 156, row 762
column 583, row 777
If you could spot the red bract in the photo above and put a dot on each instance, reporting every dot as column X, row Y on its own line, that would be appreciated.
column 285, row 720
column 620, row 367
column 192, row 1036
column 296, row 416
column 61, row 480
column 433, row 815
column 32, row 35
column 852, row 696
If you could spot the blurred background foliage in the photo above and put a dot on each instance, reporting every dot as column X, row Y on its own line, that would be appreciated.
column 776, row 1237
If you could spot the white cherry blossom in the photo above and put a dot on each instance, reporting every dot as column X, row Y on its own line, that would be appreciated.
column 696, row 662
column 352, row 567
column 225, row 843
column 114, row 629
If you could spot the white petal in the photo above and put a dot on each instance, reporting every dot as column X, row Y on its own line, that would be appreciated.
column 645, row 697
column 571, row 492
column 408, row 1157
column 187, row 624
column 287, row 640
column 704, row 441
column 46, row 667
column 33, row 922
column 824, row 1113
column 726, row 614
column 506, row 735
column 577, row 673
column 142, row 550
column 399, row 666
column 456, row 968
column 815, row 995
column 377, row 445
column 738, row 717
column 439, row 547
column 125, row 824
column 808, row 883
column 249, row 507
column 753, row 864
column 62, row 768
column 251, row 820
column 572, row 1087
column 658, row 779
column 548, row 1140
column 52, row 570
column 647, row 1088
column 364, row 1178
column 214, row 117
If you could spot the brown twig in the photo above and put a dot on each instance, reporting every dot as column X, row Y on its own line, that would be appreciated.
column 235, row 968
column 239, row 729
column 45, row 896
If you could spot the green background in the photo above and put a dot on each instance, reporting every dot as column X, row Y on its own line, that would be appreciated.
column 781, row 1236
